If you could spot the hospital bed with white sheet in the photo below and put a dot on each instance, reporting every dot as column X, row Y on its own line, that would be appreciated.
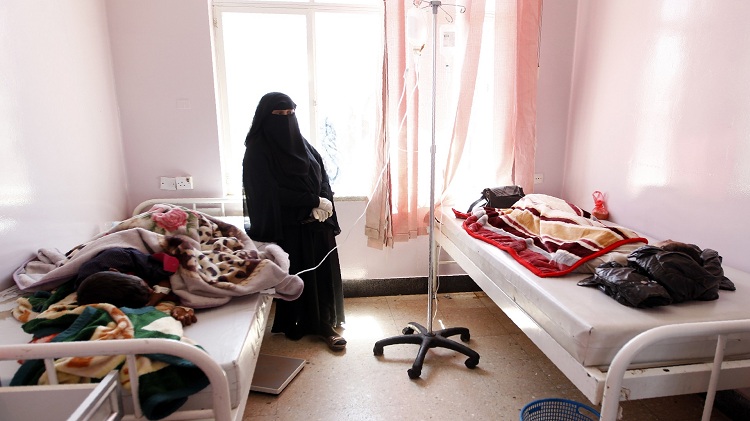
column 590, row 337
column 230, row 334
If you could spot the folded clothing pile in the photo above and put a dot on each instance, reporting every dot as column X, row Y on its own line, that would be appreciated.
column 672, row 272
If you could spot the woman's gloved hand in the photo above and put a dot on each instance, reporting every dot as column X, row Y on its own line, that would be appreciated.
column 326, row 205
column 319, row 214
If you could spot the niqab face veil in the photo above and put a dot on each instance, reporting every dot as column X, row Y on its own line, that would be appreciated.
column 282, row 134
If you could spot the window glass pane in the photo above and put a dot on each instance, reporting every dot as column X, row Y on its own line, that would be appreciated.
column 259, row 58
column 348, row 69
column 355, row 2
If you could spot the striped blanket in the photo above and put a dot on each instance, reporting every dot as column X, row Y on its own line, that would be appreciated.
column 547, row 235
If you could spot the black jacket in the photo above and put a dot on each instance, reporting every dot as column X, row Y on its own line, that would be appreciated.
column 655, row 276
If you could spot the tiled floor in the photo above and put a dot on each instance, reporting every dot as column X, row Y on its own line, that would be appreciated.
column 356, row 385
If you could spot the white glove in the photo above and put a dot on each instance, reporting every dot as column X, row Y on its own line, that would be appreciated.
column 326, row 205
column 319, row 214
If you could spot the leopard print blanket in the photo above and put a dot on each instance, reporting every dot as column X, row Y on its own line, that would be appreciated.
column 218, row 260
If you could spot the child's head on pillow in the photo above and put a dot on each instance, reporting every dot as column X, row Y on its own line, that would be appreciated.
column 118, row 289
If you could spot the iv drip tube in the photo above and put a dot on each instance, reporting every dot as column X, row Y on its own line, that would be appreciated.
column 415, row 333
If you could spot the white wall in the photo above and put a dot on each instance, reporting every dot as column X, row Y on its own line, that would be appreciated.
column 62, row 175
column 660, row 119
column 163, row 63
column 553, row 93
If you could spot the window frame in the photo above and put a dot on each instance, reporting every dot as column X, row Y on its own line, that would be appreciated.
column 306, row 8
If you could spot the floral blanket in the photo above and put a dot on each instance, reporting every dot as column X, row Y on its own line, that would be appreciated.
column 547, row 235
column 165, row 382
column 218, row 261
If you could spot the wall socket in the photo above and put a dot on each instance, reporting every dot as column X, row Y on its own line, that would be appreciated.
column 184, row 183
column 167, row 183
column 538, row 178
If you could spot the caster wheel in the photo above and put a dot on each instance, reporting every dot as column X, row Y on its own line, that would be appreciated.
column 377, row 350
column 465, row 337
column 408, row 330
column 471, row 362
column 414, row 373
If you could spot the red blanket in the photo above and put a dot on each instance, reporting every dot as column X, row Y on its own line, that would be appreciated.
column 547, row 235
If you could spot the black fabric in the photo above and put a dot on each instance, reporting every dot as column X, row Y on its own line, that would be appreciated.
column 627, row 286
column 712, row 264
column 499, row 197
column 321, row 304
column 126, row 260
column 280, row 196
column 672, row 273
column 276, row 194
column 683, row 277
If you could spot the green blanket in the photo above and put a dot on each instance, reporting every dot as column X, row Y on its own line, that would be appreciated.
column 165, row 382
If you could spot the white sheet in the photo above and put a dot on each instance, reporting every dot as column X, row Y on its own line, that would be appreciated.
column 591, row 326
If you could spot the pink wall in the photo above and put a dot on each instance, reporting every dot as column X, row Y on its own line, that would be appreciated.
column 644, row 100
column 62, row 176
column 553, row 93
column 660, row 119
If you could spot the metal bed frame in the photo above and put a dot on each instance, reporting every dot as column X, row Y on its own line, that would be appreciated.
column 220, row 391
column 620, row 381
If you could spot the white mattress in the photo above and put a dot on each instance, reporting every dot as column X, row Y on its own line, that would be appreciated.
column 231, row 334
column 590, row 325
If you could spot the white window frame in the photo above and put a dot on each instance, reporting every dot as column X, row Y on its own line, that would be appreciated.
column 308, row 8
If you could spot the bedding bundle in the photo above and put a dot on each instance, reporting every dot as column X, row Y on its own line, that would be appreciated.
column 165, row 382
column 656, row 276
column 217, row 261
column 547, row 235
column 210, row 262
column 552, row 237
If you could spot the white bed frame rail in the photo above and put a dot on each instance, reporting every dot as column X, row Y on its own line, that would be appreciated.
column 225, row 206
column 618, row 370
column 130, row 348
column 640, row 383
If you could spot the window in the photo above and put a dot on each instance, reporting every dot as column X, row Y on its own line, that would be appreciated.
column 326, row 56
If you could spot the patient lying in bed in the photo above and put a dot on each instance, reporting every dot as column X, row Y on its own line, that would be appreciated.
column 126, row 277
column 124, row 290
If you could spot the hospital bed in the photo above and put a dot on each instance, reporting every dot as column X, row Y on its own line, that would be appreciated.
column 609, row 351
column 230, row 334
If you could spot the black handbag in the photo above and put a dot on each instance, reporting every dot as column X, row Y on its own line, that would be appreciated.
column 499, row 197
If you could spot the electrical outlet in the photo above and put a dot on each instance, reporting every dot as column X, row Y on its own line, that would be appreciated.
column 167, row 183
column 538, row 178
column 184, row 183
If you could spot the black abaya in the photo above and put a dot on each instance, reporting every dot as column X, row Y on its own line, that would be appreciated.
column 284, row 179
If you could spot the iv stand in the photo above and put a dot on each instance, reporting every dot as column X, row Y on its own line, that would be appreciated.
column 426, row 338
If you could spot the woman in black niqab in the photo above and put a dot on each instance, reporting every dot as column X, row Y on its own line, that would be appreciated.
column 284, row 180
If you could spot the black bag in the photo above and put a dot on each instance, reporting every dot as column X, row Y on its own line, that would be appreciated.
column 499, row 197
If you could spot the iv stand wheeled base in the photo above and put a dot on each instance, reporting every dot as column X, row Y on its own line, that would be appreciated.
column 427, row 340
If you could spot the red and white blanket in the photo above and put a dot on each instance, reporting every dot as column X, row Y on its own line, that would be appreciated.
column 547, row 235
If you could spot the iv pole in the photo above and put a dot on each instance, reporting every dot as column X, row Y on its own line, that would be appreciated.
column 426, row 338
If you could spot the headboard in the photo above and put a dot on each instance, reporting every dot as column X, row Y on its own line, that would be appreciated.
column 219, row 207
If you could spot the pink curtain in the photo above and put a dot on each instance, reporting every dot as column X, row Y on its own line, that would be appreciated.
column 399, row 206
